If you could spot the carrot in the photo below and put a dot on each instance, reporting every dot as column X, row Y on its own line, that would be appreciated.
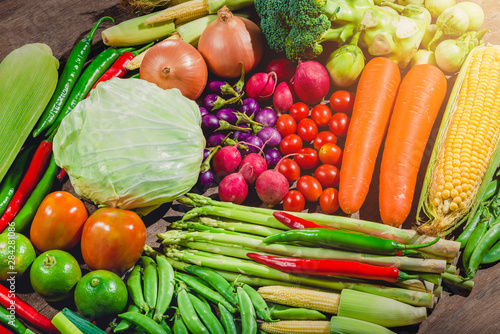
column 375, row 95
column 418, row 101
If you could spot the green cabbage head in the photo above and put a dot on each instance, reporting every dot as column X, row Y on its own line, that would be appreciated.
column 131, row 145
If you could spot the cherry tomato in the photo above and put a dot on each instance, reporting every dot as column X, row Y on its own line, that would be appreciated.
column 294, row 201
column 286, row 125
column 329, row 200
column 113, row 239
column 342, row 101
column 321, row 114
column 327, row 175
column 299, row 110
column 330, row 154
column 338, row 124
column 307, row 129
column 307, row 158
column 322, row 138
column 290, row 144
column 310, row 187
column 290, row 169
column 58, row 222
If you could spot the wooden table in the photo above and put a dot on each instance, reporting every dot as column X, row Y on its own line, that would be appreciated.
column 60, row 24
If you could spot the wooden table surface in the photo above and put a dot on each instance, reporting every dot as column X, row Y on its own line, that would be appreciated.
column 61, row 23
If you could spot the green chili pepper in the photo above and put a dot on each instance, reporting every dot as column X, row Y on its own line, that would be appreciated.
column 206, row 315
column 470, row 227
column 493, row 255
column 134, row 286
column 10, row 322
column 258, row 302
column 179, row 326
column 88, row 78
column 476, row 235
column 219, row 283
column 67, row 80
column 227, row 320
column 247, row 312
column 123, row 325
column 43, row 188
column 136, row 76
column 13, row 178
column 295, row 313
column 165, row 286
column 143, row 321
column 205, row 291
column 187, row 311
column 150, row 280
column 485, row 243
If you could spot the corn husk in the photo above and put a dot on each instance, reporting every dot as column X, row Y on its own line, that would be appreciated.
column 28, row 78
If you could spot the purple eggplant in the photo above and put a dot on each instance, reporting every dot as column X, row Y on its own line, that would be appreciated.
column 221, row 88
column 203, row 111
column 272, row 156
column 228, row 114
column 242, row 135
column 270, row 136
column 250, row 107
column 213, row 102
column 254, row 144
column 266, row 117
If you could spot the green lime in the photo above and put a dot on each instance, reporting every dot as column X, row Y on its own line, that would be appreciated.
column 16, row 255
column 100, row 293
column 54, row 273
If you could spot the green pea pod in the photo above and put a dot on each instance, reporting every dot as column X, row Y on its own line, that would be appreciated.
column 219, row 283
column 205, row 291
column 470, row 227
column 474, row 239
column 493, row 254
column 134, row 286
column 150, row 281
column 258, row 302
column 187, row 311
column 203, row 299
column 247, row 311
column 143, row 321
column 166, row 286
column 206, row 315
column 43, row 188
column 227, row 320
column 123, row 325
column 165, row 326
column 179, row 326
column 491, row 190
column 10, row 322
column 484, row 245
column 295, row 313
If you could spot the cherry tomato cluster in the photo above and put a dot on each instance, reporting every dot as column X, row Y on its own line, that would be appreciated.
column 312, row 141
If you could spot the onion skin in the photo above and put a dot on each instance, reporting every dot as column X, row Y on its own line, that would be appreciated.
column 228, row 41
column 175, row 64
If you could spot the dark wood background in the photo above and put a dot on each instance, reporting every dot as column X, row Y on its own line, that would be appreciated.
column 61, row 24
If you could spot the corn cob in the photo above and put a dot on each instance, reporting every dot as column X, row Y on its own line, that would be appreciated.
column 296, row 327
column 137, row 61
column 465, row 153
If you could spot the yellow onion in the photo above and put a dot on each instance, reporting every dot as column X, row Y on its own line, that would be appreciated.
column 175, row 64
column 229, row 41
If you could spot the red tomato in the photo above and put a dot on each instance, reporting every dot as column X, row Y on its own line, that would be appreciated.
column 307, row 158
column 327, row 175
column 290, row 169
column 322, row 138
column 58, row 222
column 286, row 125
column 330, row 154
column 329, row 200
column 309, row 187
column 290, row 144
column 338, row 124
column 307, row 129
column 294, row 201
column 342, row 101
column 321, row 114
column 113, row 239
column 299, row 110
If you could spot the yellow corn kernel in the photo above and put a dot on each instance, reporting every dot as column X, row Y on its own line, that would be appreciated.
column 301, row 297
column 186, row 11
column 296, row 327
column 137, row 61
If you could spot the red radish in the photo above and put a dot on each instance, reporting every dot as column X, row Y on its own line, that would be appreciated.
column 226, row 161
column 283, row 68
column 252, row 166
column 311, row 82
column 233, row 188
column 261, row 86
column 272, row 186
column 283, row 97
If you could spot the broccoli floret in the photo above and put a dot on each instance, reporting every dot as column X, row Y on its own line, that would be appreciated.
column 294, row 26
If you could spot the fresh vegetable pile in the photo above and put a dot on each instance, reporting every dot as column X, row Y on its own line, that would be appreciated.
column 269, row 158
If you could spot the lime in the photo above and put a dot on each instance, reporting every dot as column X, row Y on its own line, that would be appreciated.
column 100, row 293
column 16, row 255
column 54, row 273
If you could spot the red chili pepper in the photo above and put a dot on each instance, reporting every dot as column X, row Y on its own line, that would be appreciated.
column 4, row 330
column 61, row 176
column 117, row 70
column 296, row 222
column 26, row 311
column 34, row 173
column 342, row 268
